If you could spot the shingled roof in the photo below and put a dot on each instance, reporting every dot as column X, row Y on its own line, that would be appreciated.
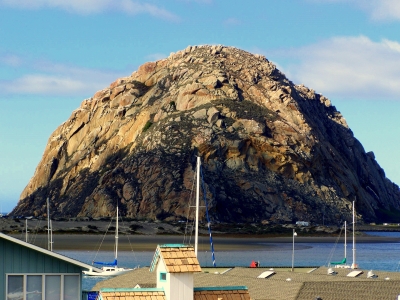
column 350, row 290
column 205, row 293
column 131, row 294
column 177, row 258
column 302, row 285
column 216, row 293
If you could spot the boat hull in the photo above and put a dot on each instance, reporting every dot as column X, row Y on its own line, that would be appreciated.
column 108, row 272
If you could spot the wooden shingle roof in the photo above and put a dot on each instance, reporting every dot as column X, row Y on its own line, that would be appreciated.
column 132, row 294
column 221, row 293
column 177, row 258
column 199, row 293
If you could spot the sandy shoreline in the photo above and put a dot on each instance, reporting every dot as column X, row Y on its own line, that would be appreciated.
column 92, row 242
column 87, row 235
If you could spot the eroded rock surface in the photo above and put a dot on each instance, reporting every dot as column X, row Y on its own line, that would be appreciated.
column 272, row 151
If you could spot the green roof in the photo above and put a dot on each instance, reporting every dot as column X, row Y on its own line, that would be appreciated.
column 131, row 290
column 173, row 246
column 221, row 288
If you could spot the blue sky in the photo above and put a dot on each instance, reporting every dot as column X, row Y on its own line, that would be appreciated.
column 56, row 53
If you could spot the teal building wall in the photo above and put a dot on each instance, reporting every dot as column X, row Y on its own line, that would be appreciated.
column 15, row 258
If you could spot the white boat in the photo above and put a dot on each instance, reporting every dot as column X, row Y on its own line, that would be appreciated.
column 110, row 268
column 343, row 263
column 108, row 271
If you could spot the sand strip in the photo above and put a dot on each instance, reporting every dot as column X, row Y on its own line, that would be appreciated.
column 149, row 242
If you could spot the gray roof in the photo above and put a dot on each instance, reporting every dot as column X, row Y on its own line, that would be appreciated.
column 350, row 290
column 301, row 286
column 141, row 276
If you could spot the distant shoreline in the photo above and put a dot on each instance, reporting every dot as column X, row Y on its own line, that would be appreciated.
column 145, row 236
column 91, row 242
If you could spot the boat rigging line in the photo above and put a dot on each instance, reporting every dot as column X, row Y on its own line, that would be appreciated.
column 199, row 175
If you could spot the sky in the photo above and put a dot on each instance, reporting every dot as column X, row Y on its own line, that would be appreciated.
column 56, row 53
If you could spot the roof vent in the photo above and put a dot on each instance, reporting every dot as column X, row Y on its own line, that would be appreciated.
column 371, row 274
column 266, row 274
column 331, row 272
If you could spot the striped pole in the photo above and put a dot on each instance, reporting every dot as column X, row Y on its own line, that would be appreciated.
column 208, row 219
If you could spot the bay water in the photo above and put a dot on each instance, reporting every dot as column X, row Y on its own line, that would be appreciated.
column 369, row 256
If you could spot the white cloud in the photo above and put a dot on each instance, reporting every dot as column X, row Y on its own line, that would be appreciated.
column 86, row 7
column 59, row 80
column 348, row 67
column 382, row 10
column 133, row 8
column 95, row 6
column 11, row 60
column 44, row 85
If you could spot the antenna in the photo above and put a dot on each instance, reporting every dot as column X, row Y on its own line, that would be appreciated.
column 197, row 207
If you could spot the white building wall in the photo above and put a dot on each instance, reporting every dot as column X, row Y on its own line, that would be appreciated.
column 181, row 286
column 159, row 269
column 178, row 286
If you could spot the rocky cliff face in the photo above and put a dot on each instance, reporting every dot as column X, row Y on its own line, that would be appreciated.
column 271, row 150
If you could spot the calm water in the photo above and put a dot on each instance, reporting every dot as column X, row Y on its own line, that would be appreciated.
column 371, row 256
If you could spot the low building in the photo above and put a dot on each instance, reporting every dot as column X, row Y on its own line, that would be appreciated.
column 31, row 272
column 302, row 223
column 174, row 266
column 279, row 283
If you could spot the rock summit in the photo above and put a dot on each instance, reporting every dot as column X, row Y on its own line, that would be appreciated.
column 272, row 151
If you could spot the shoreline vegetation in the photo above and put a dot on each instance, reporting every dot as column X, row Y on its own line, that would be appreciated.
column 144, row 236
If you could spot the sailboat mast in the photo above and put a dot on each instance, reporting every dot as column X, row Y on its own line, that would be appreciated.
column 48, row 225
column 116, row 238
column 51, row 236
column 345, row 240
column 354, row 265
column 26, row 230
column 197, row 207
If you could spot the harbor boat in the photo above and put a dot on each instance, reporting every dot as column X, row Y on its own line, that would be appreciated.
column 110, row 268
column 342, row 263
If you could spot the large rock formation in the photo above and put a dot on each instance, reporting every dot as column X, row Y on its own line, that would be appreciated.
column 271, row 150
